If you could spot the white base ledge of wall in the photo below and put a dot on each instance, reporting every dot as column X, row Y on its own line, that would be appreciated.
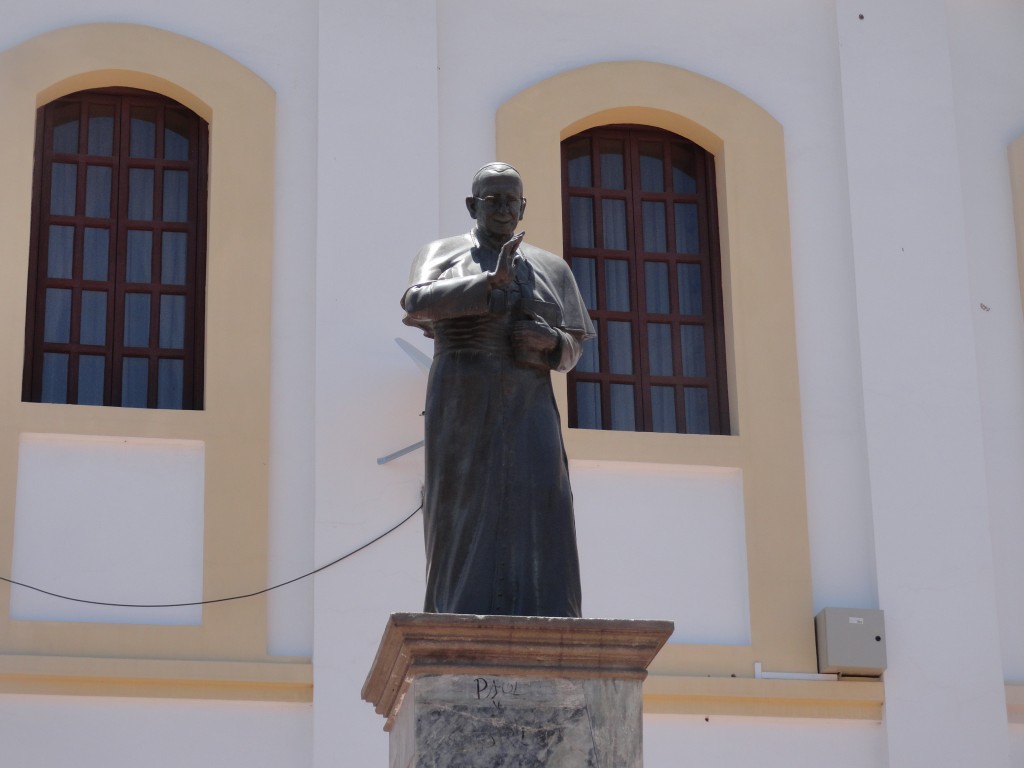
column 760, row 674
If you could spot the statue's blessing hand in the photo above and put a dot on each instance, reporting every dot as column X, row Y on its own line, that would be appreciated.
column 504, row 270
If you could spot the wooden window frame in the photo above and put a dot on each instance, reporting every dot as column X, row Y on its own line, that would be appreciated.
column 114, row 350
column 708, row 258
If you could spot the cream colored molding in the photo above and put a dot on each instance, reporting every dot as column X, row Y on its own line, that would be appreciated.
column 234, row 427
column 767, row 444
column 1016, row 153
column 841, row 700
column 279, row 680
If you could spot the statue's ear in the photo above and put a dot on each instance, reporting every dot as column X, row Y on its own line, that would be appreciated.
column 471, row 206
column 522, row 210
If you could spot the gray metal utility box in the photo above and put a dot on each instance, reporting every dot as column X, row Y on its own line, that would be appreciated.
column 851, row 641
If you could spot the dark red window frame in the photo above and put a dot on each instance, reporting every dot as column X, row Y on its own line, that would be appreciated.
column 653, row 285
column 118, row 245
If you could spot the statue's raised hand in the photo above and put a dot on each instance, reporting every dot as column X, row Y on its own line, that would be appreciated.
column 504, row 270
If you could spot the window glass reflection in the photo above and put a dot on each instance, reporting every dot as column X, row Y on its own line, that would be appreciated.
column 613, row 214
column 588, row 405
column 101, row 130
column 663, row 409
column 655, row 236
column 55, row 378
column 139, row 264
column 684, row 170
column 97, row 191
column 173, row 258
column 698, row 420
column 94, row 318
column 692, row 337
column 690, row 302
column 616, row 285
column 652, row 167
column 659, row 349
column 620, row 346
column 91, row 373
column 578, row 162
column 170, row 383
column 140, row 194
column 63, row 189
column 142, row 132
column 65, row 128
column 623, row 412
column 687, row 232
column 136, row 320
column 613, row 164
column 176, row 133
column 96, row 254
column 172, row 322
column 581, row 222
column 60, row 251
column 585, row 271
column 57, row 316
column 134, row 382
column 175, row 195
column 656, row 286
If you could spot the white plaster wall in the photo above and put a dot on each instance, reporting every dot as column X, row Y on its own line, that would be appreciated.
column 674, row 741
column 921, row 387
column 93, row 732
column 988, row 79
column 677, row 551
column 114, row 520
column 278, row 42
column 377, row 136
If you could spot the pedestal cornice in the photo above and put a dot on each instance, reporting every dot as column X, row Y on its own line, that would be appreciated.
column 416, row 644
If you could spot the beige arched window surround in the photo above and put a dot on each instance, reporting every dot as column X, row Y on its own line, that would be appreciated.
column 227, row 652
column 766, row 441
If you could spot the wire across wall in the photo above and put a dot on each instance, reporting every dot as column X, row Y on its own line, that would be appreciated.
column 264, row 591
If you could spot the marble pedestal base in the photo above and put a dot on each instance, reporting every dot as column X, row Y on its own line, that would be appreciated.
column 513, row 691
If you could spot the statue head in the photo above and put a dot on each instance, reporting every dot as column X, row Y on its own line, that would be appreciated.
column 497, row 202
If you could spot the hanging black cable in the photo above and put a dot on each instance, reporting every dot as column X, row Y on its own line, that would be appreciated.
column 222, row 599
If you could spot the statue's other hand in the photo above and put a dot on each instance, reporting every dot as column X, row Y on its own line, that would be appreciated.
column 504, row 270
column 532, row 335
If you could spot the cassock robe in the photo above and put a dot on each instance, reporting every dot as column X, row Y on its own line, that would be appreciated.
column 498, row 517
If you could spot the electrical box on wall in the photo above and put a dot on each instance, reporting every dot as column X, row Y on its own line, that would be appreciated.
column 851, row 641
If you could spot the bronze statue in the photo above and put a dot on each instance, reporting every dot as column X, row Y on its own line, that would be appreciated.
column 498, row 519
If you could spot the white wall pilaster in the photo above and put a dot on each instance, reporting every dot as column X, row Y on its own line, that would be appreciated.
column 944, row 689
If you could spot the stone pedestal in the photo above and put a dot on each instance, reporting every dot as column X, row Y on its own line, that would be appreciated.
column 513, row 691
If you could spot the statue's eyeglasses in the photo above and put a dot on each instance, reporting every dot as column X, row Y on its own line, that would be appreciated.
column 493, row 203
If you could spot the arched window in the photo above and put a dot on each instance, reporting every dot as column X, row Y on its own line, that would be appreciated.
column 641, row 235
column 117, row 263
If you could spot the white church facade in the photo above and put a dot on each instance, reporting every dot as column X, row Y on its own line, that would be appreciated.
column 799, row 229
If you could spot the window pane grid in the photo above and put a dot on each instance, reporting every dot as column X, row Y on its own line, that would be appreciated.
column 671, row 307
column 90, row 237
